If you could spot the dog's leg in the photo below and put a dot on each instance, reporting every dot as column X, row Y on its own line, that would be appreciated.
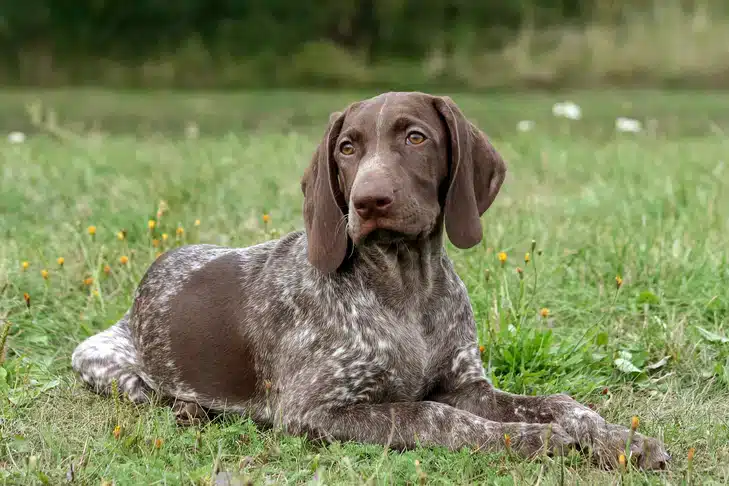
column 110, row 356
column 605, row 440
column 404, row 425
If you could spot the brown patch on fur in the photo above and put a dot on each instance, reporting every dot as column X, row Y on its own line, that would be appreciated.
column 208, row 346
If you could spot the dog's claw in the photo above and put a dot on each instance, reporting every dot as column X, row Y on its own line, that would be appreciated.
column 646, row 453
column 650, row 454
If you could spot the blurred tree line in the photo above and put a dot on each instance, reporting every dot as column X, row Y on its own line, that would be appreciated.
column 39, row 37
column 133, row 29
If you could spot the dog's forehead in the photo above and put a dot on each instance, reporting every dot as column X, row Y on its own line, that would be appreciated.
column 373, row 113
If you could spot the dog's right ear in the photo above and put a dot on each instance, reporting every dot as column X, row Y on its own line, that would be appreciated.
column 324, row 204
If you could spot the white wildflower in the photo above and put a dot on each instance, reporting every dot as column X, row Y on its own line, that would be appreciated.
column 525, row 125
column 567, row 109
column 16, row 137
column 623, row 124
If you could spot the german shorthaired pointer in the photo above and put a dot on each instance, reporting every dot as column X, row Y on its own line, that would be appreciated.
column 358, row 328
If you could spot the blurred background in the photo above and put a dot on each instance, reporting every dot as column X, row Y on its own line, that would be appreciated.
column 379, row 44
column 213, row 66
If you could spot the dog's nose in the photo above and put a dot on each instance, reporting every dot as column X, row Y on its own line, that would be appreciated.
column 372, row 205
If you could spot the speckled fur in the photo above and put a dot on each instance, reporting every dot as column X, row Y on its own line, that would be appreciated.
column 382, row 350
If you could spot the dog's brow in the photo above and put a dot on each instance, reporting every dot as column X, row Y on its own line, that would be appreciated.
column 353, row 134
column 402, row 122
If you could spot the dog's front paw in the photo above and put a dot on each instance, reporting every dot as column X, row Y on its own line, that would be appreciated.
column 534, row 439
column 646, row 453
column 603, row 440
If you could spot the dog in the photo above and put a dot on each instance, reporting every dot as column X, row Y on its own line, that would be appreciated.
column 357, row 328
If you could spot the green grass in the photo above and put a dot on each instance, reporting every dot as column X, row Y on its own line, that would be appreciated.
column 651, row 207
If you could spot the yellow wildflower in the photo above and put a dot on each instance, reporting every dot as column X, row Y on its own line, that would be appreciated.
column 502, row 257
column 123, row 259
column 44, row 274
column 92, row 230
column 60, row 261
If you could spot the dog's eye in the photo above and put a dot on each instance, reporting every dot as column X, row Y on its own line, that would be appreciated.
column 346, row 148
column 415, row 138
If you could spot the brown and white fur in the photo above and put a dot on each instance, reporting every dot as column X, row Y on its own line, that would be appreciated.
column 357, row 328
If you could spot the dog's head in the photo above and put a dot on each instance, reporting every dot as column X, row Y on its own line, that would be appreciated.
column 394, row 166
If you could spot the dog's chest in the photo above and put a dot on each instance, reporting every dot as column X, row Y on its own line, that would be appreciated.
column 384, row 358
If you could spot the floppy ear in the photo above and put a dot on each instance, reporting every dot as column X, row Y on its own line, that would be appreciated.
column 476, row 174
column 324, row 204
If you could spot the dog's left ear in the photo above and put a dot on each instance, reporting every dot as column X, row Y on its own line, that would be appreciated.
column 477, row 172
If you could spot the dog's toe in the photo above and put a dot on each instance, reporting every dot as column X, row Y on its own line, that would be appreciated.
column 646, row 453
column 650, row 454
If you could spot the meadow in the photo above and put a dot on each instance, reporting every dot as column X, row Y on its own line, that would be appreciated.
column 622, row 300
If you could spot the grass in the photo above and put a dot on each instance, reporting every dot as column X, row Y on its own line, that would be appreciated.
column 651, row 207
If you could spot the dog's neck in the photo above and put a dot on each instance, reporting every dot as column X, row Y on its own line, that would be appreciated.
column 403, row 272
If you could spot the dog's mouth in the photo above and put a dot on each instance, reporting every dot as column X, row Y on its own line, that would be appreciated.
column 382, row 236
column 384, row 233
